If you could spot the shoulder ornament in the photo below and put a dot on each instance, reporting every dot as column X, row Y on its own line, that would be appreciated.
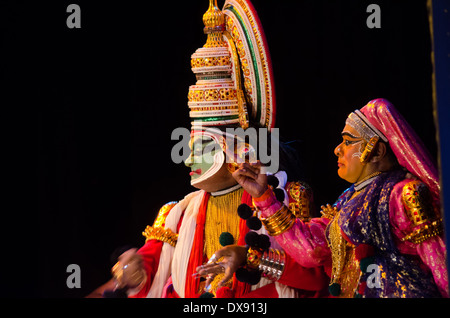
column 418, row 205
column 157, row 231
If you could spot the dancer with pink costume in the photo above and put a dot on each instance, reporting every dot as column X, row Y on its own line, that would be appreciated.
column 383, row 236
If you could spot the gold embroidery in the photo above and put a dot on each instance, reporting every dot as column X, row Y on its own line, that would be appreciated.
column 163, row 213
column 417, row 201
column 345, row 267
column 351, row 273
column 425, row 232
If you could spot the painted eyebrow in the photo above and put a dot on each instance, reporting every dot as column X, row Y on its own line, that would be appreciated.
column 350, row 135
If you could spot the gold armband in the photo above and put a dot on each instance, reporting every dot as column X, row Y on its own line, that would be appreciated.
column 418, row 205
column 417, row 201
column 160, row 234
column 279, row 222
column 425, row 232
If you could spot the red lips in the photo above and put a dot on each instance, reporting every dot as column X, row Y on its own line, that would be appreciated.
column 198, row 171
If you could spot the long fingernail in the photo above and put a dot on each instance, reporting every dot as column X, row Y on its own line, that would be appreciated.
column 212, row 259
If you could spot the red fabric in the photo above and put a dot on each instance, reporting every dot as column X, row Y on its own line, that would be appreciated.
column 150, row 254
column 268, row 291
column 362, row 288
column 169, row 291
column 225, row 292
column 308, row 279
column 363, row 251
column 196, row 258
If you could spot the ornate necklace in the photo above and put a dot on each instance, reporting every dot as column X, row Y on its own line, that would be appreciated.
column 337, row 245
column 345, row 271
column 366, row 181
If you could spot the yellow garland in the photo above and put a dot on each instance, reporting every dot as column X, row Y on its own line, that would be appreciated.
column 221, row 217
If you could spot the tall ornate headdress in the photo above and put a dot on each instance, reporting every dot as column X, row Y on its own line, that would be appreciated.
column 233, row 69
column 234, row 85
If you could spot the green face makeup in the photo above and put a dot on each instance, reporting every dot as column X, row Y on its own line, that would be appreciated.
column 201, row 159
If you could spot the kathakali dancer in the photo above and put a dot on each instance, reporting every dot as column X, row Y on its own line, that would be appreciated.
column 383, row 236
column 234, row 89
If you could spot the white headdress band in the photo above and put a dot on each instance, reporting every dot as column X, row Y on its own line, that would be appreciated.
column 359, row 122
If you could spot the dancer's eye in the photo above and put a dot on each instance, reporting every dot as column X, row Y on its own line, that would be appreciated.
column 351, row 142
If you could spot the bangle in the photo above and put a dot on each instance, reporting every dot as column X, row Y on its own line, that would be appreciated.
column 279, row 222
column 272, row 264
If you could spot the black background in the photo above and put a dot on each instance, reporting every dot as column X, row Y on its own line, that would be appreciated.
column 88, row 114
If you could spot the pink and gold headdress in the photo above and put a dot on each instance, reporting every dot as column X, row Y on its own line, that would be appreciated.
column 380, row 119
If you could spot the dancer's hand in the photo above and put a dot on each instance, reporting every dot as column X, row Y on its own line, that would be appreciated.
column 234, row 256
column 249, row 176
column 128, row 271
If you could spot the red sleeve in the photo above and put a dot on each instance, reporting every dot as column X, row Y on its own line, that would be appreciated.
column 150, row 254
column 300, row 277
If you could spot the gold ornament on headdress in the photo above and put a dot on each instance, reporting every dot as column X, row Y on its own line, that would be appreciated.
column 214, row 21
column 217, row 98
column 368, row 150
